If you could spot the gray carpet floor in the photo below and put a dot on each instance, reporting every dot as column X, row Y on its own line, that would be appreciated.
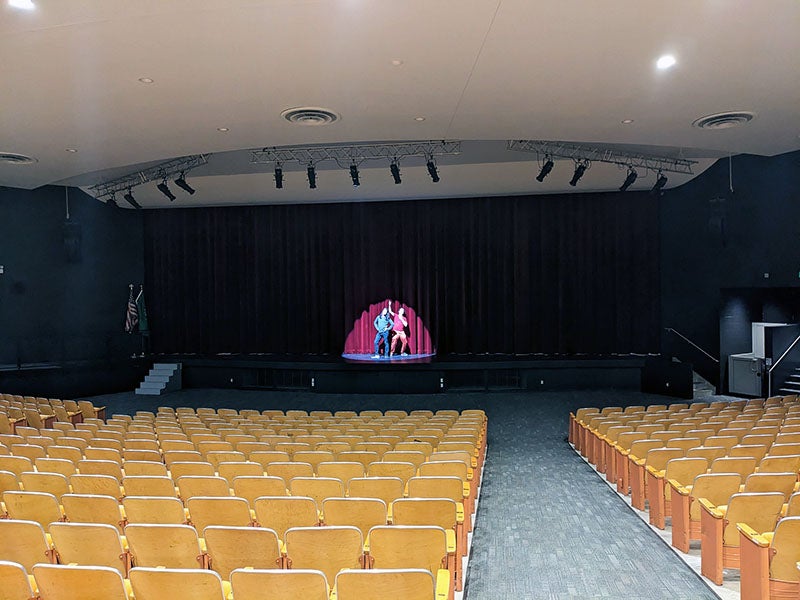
column 548, row 527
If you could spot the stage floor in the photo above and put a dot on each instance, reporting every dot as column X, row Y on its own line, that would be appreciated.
column 383, row 360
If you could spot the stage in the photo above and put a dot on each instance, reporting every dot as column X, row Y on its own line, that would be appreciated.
column 409, row 374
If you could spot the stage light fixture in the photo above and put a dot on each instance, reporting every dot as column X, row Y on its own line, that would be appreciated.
column 131, row 200
column 580, row 169
column 629, row 180
column 546, row 168
column 394, row 168
column 660, row 183
column 181, row 183
column 354, row 175
column 433, row 171
column 312, row 177
column 279, row 177
column 164, row 189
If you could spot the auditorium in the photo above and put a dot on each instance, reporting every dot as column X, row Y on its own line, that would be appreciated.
column 360, row 300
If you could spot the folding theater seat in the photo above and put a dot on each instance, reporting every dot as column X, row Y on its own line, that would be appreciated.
column 377, row 584
column 70, row 582
column 656, row 459
column 231, row 548
column 224, row 511
column 715, row 487
column 190, row 486
column 289, row 470
column 14, row 582
column 87, row 508
column 402, row 470
column 56, row 465
column 251, row 487
column 619, row 456
column 281, row 513
column 327, row 549
column 344, row 471
column 146, row 485
column 89, row 545
column 169, row 546
column 363, row 513
column 33, row 506
column 49, row 483
column 785, row 483
column 680, row 472
column 25, row 543
column 317, row 488
column 770, row 561
column 279, row 584
column 176, row 584
column 719, row 548
column 154, row 510
column 387, row 489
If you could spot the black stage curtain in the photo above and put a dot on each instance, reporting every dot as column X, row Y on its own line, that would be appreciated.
column 514, row 275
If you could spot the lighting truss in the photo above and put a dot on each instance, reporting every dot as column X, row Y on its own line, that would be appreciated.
column 159, row 172
column 622, row 158
column 347, row 155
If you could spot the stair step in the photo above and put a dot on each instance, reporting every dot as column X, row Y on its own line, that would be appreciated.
column 156, row 378
column 146, row 392
column 172, row 366
column 791, row 390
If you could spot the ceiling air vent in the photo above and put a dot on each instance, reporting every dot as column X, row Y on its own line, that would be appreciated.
column 16, row 159
column 310, row 116
column 724, row 120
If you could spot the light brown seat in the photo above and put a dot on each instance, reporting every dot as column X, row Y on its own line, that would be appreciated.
column 363, row 513
column 176, row 584
column 146, row 485
column 769, row 561
column 317, row 488
column 40, row 507
column 88, row 508
column 25, row 543
column 678, row 471
column 155, row 510
column 169, row 546
column 289, row 470
column 224, row 511
column 50, row 483
column 231, row 548
column 71, row 582
column 14, row 582
column 250, row 488
column 715, row 487
column 377, row 584
column 280, row 513
column 327, row 549
column 98, row 485
column 89, row 545
column 191, row 485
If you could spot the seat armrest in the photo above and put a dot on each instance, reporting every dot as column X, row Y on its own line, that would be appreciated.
column 711, row 509
column 677, row 487
column 443, row 577
column 451, row 541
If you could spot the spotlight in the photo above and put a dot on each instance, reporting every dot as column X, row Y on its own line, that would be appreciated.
column 660, row 183
column 546, row 168
column 131, row 200
column 395, row 170
column 312, row 177
column 354, row 175
column 181, row 183
column 632, row 175
column 580, row 169
column 164, row 189
column 432, row 171
column 279, row 177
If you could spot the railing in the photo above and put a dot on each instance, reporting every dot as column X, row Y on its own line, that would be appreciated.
column 707, row 365
column 778, row 362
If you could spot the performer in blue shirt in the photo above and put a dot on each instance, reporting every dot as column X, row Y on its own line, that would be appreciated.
column 383, row 324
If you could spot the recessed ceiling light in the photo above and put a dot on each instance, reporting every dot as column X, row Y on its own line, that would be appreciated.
column 397, row 62
column 420, row 119
column 222, row 129
column 72, row 150
column 627, row 121
column 146, row 80
column 23, row 4
column 666, row 61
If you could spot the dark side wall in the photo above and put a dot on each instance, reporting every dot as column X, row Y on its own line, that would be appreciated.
column 64, row 286
column 713, row 240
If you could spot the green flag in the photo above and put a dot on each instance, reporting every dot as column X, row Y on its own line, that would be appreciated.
column 144, row 328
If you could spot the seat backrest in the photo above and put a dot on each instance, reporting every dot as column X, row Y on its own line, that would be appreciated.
column 14, row 582
column 416, row 458
column 387, row 489
column 176, row 583
column 448, row 468
column 684, row 470
column 726, row 441
column 170, row 546
column 408, row 547
column 15, row 464
column 442, row 512
column 658, row 457
column 8, row 482
column 56, row 465
column 743, row 465
column 241, row 547
column 436, row 487
column 402, row 470
column 344, row 471
column 780, row 464
column 640, row 448
column 710, row 453
column 23, row 542
column 231, row 470
column 210, row 510
column 180, row 469
column 251, row 487
column 327, row 549
column 103, row 485
column 317, row 488
column 154, row 510
column 784, row 449
column 717, row 488
column 363, row 513
column 279, row 513
column 95, row 545
column 757, row 452
column 70, row 582
column 32, row 506
column 148, row 485
column 377, row 584
column 192, row 485
column 758, row 510
column 793, row 506
column 771, row 482
column 101, row 467
column 50, row 483
column 289, row 470
column 786, row 548
column 87, row 508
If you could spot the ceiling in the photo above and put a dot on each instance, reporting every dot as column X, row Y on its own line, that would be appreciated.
column 482, row 71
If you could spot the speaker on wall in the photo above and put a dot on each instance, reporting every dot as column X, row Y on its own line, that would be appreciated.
column 72, row 242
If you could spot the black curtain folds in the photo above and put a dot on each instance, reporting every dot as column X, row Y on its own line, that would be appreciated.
column 525, row 274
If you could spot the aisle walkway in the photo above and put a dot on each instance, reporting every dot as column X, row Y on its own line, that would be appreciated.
column 548, row 527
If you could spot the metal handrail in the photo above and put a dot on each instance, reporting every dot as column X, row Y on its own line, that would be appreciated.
column 680, row 335
column 777, row 362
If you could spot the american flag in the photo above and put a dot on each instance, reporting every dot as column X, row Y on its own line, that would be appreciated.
column 132, row 316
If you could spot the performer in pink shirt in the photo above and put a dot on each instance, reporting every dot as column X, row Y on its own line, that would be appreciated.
column 399, row 326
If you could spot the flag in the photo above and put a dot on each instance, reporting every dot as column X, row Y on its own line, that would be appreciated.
column 132, row 315
column 144, row 328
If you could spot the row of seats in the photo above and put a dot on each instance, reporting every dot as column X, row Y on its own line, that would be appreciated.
column 725, row 474
column 197, row 489
column 70, row 582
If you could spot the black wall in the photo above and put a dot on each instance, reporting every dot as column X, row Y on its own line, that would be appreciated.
column 64, row 289
column 712, row 239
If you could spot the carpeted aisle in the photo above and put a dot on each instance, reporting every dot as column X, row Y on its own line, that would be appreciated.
column 548, row 527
